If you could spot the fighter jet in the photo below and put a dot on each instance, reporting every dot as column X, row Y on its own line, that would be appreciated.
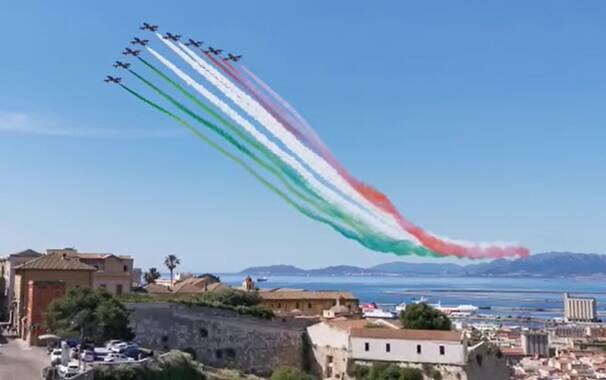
column 129, row 51
column 231, row 57
column 151, row 28
column 138, row 41
column 172, row 37
column 214, row 51
column 110, row 79
column 121, row 65
column 191, row 42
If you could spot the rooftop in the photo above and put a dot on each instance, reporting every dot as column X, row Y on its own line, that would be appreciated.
column 270, row 295
column 55, row 261
column 406, row 334
column 100, row 256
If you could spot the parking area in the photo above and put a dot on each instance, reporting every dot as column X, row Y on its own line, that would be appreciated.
column 18, row 361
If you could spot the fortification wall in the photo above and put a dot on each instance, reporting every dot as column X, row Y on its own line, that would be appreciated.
column 220, row 338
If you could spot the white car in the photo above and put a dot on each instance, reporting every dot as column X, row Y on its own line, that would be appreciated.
column 112, row 343
column 70, row 370
column 116, row 357
column 55, row 356
column 88, row 356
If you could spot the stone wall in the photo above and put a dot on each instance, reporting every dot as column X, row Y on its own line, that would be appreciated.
column 220, row 338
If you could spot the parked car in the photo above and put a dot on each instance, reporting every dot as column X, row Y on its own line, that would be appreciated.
column 55, row 356
column 123, row 346
column 69, row 370
column 116, row 357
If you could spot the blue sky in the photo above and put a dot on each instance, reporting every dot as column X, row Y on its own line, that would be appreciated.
column 481, row 121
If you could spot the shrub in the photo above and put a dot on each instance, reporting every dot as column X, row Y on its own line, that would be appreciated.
column 289, row 373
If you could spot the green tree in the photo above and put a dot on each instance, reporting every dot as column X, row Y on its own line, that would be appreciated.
column 422, row 316
column 151, row 276
column 90, row 314
column 171, row 261
column 289, row 373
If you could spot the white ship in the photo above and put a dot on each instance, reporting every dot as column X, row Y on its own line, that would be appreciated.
column 380, row 313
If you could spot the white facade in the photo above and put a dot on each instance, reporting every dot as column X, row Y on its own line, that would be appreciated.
column 579, row 309
column 401, row 350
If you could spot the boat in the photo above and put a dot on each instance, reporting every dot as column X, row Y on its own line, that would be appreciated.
column 262, row 279
column 457, row 311
column 401, row 307
column 380, row 313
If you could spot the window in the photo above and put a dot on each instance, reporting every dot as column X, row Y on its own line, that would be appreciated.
column 366, row 346
column 418, row 349
column 203, row 332
column 119, row 289
column 309, row 305
column 442, row 350
column 329, row 359
column 297, row 305
column 387, row 347
column 126, row 268
column 279, row 305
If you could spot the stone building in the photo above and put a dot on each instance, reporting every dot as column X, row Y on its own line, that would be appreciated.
column 113, row 272
column 309, row 303
column 50, row 267
column 535, row 343
column 339, row 345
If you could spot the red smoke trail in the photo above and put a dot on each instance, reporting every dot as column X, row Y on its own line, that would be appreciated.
column 371, row 194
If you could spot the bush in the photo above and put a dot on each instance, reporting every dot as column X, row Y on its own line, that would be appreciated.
column 421, row 316
column 288, row 373
column 384, row 371
column 246, row 303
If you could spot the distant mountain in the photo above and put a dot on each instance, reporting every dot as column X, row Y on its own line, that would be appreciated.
column 550, row 264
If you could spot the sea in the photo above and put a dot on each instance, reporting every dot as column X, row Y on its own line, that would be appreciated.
column 495, row 296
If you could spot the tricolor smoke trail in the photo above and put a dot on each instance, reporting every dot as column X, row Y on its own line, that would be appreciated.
column 309, row 177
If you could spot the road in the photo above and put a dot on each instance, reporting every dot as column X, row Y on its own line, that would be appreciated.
column 21, row 362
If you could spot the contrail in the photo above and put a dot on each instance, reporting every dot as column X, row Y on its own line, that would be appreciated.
column 398, row 247
column 323, row 190
column 313, row 161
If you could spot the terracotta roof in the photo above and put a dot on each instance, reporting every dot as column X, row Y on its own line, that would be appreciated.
column 406, row 334
column 303, row 295
column 157, row 289
column 56, row 261
column 347, row 324
column 512, row 351
column 194, row 285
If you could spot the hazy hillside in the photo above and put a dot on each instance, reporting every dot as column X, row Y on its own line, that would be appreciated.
column 550, row 264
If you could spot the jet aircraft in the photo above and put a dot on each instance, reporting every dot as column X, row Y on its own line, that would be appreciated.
column 138, row 41
column 129, row 51
column 231, row 57
column 150, row 27
column 172, row 37
column 110, row 79
column 121, row 65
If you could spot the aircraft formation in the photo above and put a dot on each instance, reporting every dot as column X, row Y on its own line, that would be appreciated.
column 137, row 41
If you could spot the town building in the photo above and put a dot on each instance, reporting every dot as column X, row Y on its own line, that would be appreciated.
column 50, row 267
column 7, row 277
column 580, row 309
column 338, row 345
column 39, row 295
column 308, row 303
column 113, row 272
column 535, row 343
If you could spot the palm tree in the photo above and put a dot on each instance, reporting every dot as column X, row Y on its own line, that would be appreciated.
column 171, row 261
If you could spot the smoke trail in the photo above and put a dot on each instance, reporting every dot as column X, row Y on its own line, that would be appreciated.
column 380, row 200
column 324, row 191
column 262, row 116
column 398, row 247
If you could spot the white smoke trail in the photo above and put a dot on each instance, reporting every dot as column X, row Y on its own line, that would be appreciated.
column 318, row 186
column 310, row 158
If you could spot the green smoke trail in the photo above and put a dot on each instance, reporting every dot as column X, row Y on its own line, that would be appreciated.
column 368, row 240
column 287, row 170
column 318, row 202
column 313, row 198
